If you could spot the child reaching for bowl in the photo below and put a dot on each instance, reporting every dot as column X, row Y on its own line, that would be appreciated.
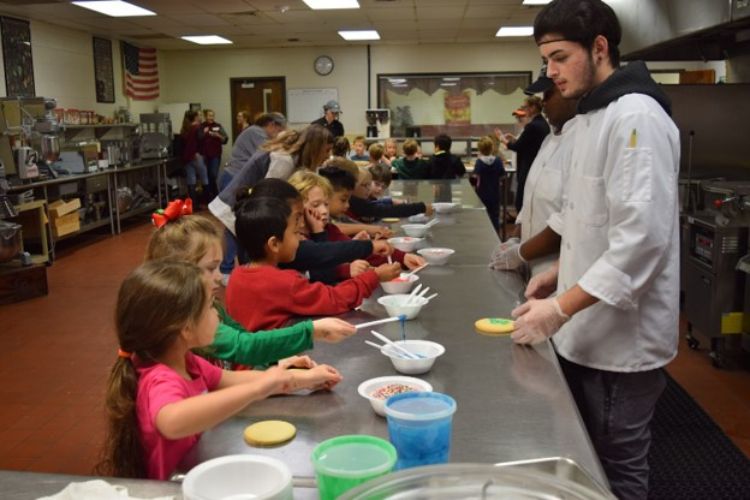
column 161, row 396
column 198, row 240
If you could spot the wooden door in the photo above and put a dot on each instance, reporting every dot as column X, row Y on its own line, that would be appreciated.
column 707, row 76
column 256, row 96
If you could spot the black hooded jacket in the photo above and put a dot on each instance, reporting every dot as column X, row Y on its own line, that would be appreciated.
column 631, row 79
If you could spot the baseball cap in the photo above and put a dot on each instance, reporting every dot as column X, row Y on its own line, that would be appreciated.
column 332, row 106
column 542, row 84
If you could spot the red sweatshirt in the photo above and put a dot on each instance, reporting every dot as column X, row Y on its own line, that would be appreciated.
column 344, row 271
column 265, row 297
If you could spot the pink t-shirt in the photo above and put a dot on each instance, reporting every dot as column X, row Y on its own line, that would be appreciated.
column 159, row 385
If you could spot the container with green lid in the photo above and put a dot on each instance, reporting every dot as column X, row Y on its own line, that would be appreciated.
column 343, row 462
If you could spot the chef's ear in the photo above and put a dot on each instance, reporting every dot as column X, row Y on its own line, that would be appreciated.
column 600, row 49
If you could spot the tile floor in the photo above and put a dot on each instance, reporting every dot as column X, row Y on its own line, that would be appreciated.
column 57, row 351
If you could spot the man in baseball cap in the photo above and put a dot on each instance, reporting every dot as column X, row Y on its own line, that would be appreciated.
column 330, row 119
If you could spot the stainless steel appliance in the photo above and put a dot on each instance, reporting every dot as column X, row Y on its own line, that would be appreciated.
column 156, row 134
column 28, row 123
column 714, row 242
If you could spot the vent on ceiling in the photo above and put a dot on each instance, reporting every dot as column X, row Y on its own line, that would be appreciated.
column 246, row 13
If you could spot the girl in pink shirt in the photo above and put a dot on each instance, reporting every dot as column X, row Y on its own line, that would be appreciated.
column 160, row 395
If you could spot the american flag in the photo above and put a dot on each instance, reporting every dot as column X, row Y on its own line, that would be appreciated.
column 141, row 72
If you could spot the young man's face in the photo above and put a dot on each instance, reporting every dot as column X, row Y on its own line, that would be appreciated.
column 295, row 225
column 569, row 64
column 359, row 148
column 339, row 203
column 318, row 201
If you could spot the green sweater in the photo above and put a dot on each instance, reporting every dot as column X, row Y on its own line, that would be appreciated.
column 234, row 343
column 411, row 169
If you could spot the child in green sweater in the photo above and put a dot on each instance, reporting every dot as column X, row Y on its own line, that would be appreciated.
column 198, row 240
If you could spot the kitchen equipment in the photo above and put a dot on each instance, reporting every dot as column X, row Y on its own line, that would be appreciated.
column 156, row 132
column 713, row 288
column 402, row 284
column 237, row 477
column 436, row 256
column 26, row 159
column 397, row 305
column 405, row 243
column 10, row 240
column 371, row 389
column 429, row 352
column 532, row 479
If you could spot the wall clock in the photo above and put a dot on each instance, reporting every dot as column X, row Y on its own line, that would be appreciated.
column 323, row 65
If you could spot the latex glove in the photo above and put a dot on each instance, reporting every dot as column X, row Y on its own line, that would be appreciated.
column 507, row 256
column 536, row 320
column 332, row 330
column 542, row 285
column 358, row 267
column 413, row 261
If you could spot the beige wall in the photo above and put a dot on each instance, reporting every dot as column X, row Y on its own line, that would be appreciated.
column 64, row 69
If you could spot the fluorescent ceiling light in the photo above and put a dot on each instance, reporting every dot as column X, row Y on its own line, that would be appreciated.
column 207, row 40
column 448, row 84
column 451, row 78
column 360, row 35
column 515, row 31
column 536, row 2
column 115, row 8
column 332, row 4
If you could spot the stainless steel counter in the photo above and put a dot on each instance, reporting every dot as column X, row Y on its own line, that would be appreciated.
column 513, row 403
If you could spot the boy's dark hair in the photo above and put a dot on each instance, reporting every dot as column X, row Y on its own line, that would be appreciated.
column 443, row 141
column 341, row 146
column 275, row 188
column 381, row 173
column 340, row 179
column 580, row 21
column 258, row 218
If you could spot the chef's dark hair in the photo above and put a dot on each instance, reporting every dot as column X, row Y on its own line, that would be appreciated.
column 580, row 21
column 258, row 219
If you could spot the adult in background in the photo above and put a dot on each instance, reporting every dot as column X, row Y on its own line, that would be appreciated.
column 527, row 144
column 212, row 137
column 330, row 119
column 539, row 245
column 266, row 127
column 243, row 120
column 615, row 316
column 192, row 159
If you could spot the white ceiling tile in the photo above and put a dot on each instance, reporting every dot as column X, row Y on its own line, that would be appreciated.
column 440, row 13
column 400, row 14
column 198, row 19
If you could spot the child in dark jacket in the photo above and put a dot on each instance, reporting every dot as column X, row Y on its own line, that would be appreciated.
column 361, row 208
column 489, row 171
column 260, row 294
column 443, row 164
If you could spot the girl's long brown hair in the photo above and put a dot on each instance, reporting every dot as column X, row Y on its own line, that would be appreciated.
column 310, row 149
column 156, row 301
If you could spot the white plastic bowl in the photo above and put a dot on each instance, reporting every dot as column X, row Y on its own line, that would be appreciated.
column 445, row 207
column 429, row 351
column 436, row 256
column 415, row 230
column 367, row 387
column 239, row 477
column 405, row 243
column 394, row 305
column 419, row 218
column 402, row 286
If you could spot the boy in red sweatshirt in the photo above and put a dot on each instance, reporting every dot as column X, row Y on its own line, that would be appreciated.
column 260, row 295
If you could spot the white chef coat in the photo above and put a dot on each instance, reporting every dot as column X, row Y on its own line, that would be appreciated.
column 620, row 240
column 543, row 191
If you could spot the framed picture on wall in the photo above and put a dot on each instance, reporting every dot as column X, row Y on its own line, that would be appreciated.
column 17, row 60
column 104, row 76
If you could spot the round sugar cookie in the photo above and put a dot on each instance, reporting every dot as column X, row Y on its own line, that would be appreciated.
column 269, row 433
column 494, row 326
column 390, row 219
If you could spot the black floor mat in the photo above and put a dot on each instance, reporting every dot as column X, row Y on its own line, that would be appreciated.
column 691, row 457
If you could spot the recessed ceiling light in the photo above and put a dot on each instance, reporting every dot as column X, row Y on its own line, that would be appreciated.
column 115, row 8
column 207, row 40
column 360, row 35
column 332, row 4
column 515, row 31
column 536, row 2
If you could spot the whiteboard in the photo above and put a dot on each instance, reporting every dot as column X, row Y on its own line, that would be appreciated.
column 306, row 105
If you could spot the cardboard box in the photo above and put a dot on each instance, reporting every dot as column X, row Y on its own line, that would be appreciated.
column 66, row 224
column 61, row 207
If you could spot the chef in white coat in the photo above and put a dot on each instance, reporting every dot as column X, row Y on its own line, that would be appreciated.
column 543, row 191
column 615, row 315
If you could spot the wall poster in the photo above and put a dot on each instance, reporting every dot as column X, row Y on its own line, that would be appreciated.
column 104, row 76
column 18, row 63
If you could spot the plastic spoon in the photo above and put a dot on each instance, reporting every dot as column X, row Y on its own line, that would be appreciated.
column 432, row 222
column 414, row 292
column 400, row 349
column 380, row 321
column 380, row 347
column 417, row 269
column 431, row 297
column 420, row 294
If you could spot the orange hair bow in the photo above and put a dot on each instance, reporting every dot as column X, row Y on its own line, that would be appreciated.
column 175, row 209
